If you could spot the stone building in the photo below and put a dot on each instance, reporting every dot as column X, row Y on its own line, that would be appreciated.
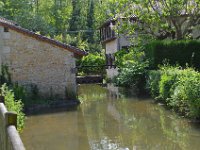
column 113, row 42
column 35, row 60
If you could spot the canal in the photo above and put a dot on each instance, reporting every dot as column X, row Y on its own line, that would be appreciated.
column 110, row 119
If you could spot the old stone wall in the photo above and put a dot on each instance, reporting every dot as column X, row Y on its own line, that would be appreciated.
column 33, row 62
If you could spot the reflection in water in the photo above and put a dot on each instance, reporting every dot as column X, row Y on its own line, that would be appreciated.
column 110, row 120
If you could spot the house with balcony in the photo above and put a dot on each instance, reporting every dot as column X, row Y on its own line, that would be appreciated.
column 113, row 42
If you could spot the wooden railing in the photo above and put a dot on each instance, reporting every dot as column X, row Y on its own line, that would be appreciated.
column 9, row 136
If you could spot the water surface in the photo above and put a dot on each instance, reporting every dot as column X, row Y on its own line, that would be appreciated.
column 110, row 119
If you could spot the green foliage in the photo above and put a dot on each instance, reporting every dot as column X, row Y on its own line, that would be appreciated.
column 179, row 88
column 34, row 92
column 161, row 19
column 5, row 75
column 191, row 91
column 19, row 92
column 132, row 75
column 181, row 52
column 153, row 82
column 167, row 81
column 92, row 60
column 132, row 68
column 67, row 19
column 13, row 105
column 125, row 57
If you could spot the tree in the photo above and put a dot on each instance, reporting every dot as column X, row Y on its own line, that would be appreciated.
column 60, row 16
column 164, row 18
column 90, row 21
column 66, row 20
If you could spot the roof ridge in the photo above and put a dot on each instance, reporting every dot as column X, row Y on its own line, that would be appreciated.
column 8, row 21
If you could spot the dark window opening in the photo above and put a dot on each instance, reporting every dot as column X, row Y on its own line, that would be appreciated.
column 6, row 29
column 110, row 61
column 106, row 33
column 125, row 49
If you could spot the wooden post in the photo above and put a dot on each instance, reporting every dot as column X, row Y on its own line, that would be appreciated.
column 2, row 100
column 11, row 119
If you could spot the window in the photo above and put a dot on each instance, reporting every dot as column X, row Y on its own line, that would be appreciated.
column 106, row 33
column 126, row 48
column 110, row 61
column 6, row 29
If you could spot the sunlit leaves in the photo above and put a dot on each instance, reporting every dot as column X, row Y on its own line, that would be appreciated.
column 167, row 16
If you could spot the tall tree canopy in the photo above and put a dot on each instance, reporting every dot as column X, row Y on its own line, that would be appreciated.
column 75, row 22
column 164, row 18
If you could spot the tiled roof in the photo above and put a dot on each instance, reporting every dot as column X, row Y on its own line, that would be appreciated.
column 14, row 26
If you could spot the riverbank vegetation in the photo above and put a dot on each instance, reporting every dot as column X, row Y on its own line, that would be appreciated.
column 132, row 68
column 13, row 96
column 178, row 88
column 13, row 104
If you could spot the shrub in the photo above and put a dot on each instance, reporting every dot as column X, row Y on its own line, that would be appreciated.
column 178, row 100
column 180, row 89
column 162, row 82
column 153, row 82
column 5, row 75
column 13, row 105
column 132, row 68
column 19, row 92
column 167, row 82
column 180, row 52
column 92, row 60
column 133, row 75
column 191, row 84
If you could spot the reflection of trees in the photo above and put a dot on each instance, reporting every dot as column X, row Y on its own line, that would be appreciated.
column 175, row 129
column 88, row 93
column 131, row 122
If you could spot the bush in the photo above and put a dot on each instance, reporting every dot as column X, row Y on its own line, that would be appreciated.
column 167, row 82
column 176, row 52
column 191, row 87
column 13, row 105
column 92, row 60
column 153, row 82
column 133, row 75
column 19, row 92
column 180, row 89
column 132, row 68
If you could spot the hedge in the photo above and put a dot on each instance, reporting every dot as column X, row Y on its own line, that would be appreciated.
column 175, row 52
column 178, row 88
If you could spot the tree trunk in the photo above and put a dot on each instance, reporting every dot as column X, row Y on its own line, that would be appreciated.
column 178, row 30
column 179, row 34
